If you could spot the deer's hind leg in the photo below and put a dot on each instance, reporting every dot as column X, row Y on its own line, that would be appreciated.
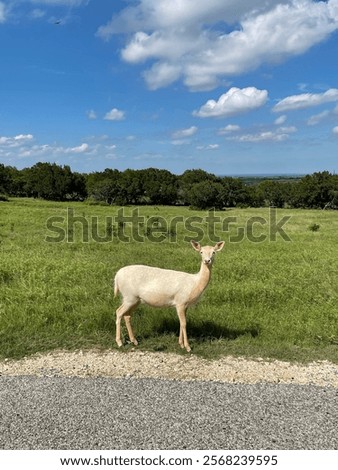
column 125, row 310
column 129, row 328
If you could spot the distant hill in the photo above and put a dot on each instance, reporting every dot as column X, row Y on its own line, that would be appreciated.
column 253, row 180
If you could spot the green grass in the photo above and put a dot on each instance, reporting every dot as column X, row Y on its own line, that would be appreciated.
column 273, row 299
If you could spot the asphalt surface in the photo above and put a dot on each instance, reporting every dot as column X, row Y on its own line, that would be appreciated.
column 104, row 413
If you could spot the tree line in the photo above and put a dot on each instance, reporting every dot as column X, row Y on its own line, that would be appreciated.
column 196, row 188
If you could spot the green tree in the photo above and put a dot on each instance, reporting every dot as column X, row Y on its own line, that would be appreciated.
column 316, row 190
column 206, row 195
column 188, row 179
column 104, row 185
column 234, row 192
column 131, row 189
column 52, row 182
column 272, row 193
column 78, row 187
column 160, row 186
column 5, row 179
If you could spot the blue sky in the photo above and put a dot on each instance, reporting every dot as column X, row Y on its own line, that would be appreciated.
column 230, row 86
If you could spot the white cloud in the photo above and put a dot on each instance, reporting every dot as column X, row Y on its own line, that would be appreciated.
column 316, row 118
column 335, row 130
column 161, row 75
column 23, row 137
column 80, row 149
column 37, row 13
column 179, row 37
column 208, row 147
column 23, row 146
column 274, row 36
column 115, row 115
column 153, row 14
column 16, row 140
column 181, row 134
column 267, row 136
column 180, row 142
column 303, row 86
column 91, row 114
column 46, row 150
column 279, row 135
column 144, row 46
column 228, row 129
column 280, row 120
column 34, row 151
column 2, row 12
column 235, row 101
column 306, row 100
column 287, row 130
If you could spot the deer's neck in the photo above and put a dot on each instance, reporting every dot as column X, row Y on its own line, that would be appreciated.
column 202, row 280
column 204, row 275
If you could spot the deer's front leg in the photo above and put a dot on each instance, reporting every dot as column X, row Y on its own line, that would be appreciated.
column 183, row 339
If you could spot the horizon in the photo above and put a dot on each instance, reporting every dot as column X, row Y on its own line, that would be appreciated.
column 219, row 175
column 143, row 83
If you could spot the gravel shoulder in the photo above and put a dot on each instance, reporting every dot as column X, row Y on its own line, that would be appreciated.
column 170, row 366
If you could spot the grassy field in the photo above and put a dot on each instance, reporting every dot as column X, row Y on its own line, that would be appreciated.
column 268, row 297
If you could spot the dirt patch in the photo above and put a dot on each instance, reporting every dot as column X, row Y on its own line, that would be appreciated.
column 170, row 366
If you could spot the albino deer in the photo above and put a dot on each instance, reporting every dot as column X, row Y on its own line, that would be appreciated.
column 162, row 288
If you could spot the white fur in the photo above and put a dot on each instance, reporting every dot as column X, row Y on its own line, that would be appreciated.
column 161, row 288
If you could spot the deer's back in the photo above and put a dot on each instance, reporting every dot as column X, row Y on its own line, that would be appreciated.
column 155, row 286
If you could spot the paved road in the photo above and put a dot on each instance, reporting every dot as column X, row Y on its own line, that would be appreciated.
column 103, row 413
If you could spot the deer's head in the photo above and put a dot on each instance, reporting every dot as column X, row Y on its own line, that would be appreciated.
column 207, row 252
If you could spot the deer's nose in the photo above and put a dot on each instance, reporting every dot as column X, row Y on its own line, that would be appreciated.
column 207, row 261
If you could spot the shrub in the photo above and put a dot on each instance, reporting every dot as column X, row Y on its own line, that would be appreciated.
column 314, row 227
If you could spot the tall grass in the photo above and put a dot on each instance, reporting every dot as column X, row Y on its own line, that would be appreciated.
column 273, row 299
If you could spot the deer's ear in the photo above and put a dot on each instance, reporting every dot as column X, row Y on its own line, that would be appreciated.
column 196, row 246
column 219, row 246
